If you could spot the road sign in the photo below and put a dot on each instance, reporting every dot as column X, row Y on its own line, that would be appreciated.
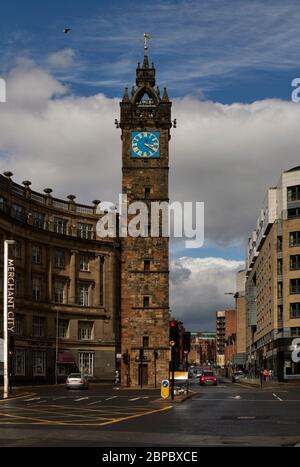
column 172, row 343
column 165, row 388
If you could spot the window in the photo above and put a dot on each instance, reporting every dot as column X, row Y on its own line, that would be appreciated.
column 86, row 363
column 18, row 212
column 39, row 326
column 146, row 265
column 85, row 329
column 19, row 324
column 280, row 312
column 146, row 302
column 59, row 288
column 83, row 295
column 295, row 238
column 279, row 244
column 59, row 259
column 84, row 263
column 3, row 206
column 293, row 213
column 84, row 231
column 36, row 254
column 17, row 247
column 60, row 225
column 295, row 310
column 293, row 193
column 36, row 288
column 295, row 332
column 279, row 289
column 39, row 363
column 63, row 328
column 279, row 267
column 20, row 362
column 145, row 342
column 38, row 219
column 294, row 262
column 294, row 286
column 102, row 280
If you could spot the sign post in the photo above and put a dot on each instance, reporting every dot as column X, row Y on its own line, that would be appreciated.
column 8, row 313
column 165, row 388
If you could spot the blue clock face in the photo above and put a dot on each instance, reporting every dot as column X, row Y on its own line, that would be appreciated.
column 145, row 144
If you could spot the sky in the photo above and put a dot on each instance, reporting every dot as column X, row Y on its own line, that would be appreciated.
column 228, row 67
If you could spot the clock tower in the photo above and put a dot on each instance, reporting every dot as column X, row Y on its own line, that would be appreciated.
column 145, row 123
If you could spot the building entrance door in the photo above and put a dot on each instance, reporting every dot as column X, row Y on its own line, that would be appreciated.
column 143, row 374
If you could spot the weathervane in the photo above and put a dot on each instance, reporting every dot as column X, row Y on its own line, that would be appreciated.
column 146, row 38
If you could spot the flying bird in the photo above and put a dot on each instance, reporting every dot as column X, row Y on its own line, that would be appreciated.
column 66, row 30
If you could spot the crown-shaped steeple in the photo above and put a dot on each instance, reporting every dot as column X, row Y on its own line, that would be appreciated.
column 145, row 75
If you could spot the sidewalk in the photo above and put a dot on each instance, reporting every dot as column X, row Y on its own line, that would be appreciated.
column 269, row 384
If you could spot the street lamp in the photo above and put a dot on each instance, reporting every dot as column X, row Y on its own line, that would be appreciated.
column 8, row 303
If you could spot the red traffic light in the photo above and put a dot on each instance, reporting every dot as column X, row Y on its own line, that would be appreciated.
column 172, row 324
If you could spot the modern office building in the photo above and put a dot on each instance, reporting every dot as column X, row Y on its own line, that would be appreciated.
column 273, row 281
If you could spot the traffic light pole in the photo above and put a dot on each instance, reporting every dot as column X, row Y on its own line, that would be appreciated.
column 172, row 370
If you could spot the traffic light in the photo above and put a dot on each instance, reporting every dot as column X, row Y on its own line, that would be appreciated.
column 155, row 354
column 174, row 337
column 141, row 354
column 187, row 341
column 11, row 344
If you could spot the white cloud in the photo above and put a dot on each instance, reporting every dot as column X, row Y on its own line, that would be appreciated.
column 61, row 59
column 197, row 288
column 224, row 155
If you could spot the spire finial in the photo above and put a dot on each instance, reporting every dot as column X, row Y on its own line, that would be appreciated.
column 146, row 38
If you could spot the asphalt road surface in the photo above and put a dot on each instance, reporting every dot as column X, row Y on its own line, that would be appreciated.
column 225, row 415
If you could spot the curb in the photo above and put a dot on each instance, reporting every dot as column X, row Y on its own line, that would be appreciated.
column 176, row 401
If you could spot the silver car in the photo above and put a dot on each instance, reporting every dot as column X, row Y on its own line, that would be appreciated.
column 76, row 381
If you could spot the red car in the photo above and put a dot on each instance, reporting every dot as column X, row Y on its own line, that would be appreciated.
column 208, row 377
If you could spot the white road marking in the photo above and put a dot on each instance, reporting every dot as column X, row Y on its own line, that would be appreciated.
column 277, row 397
column 246, row 418
column 135, row 399
column 109, row 398
column 32, row 399
column 80, row 399
column 96, row 402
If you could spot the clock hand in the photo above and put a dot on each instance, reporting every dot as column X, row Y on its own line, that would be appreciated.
column 149, row 146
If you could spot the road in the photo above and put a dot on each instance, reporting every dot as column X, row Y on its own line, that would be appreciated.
column 228, row 414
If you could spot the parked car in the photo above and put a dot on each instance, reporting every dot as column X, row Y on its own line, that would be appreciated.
column 237, row 376
column 208, row 377
column 76, row 381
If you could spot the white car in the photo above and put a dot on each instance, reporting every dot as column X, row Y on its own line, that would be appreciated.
column 76, row 381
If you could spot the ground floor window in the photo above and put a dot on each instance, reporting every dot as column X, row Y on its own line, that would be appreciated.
column 20, row 356
column 86, row 363
column 39, row 363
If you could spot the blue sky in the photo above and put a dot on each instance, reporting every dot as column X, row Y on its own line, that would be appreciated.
column 225, row 51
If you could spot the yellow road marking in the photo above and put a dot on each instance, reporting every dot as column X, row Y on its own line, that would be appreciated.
column 18, row 397
column 40, row 421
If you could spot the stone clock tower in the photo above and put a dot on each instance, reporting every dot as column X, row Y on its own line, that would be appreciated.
column 145, row 122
